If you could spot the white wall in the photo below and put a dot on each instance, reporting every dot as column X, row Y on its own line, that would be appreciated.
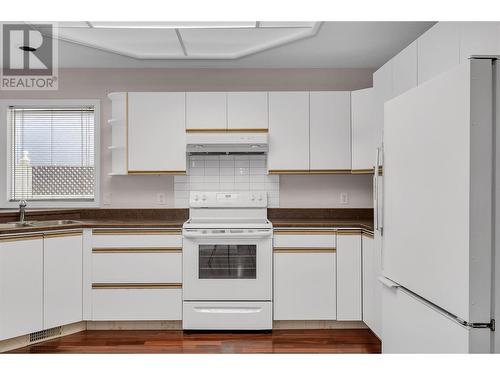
column 141, row 191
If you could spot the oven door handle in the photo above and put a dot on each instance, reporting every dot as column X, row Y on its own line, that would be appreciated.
column 227, row 235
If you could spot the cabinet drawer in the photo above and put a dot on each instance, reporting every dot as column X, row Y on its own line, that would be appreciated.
column 137, row 239
column 227, row 315
column 119, row 266
column 136, row 304
column 305, row 239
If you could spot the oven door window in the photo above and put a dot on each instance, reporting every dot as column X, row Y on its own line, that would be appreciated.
column 227, row 261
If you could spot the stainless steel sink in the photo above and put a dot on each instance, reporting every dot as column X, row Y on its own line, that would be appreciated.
column 15, row 225
column 51, row 223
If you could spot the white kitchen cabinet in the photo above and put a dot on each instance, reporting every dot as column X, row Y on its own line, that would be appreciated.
column 247, row 110
column 438, row 50
column 62, row 287
column 330, row 130
column 156, row 132
column 21, row 286
column 383, row 90
column 404, row 70
column 372, row 299
column 363, row 129
column 288, row 132
column 349, row 288
column 206, row 110
column 479, row 38
column 304, row 286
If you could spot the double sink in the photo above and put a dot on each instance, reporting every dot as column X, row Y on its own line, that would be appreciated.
column 37, row 223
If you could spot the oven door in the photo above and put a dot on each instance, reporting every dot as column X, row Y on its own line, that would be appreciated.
column 224, row 264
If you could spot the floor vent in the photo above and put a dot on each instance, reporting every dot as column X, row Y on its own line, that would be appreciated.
column 45, row 334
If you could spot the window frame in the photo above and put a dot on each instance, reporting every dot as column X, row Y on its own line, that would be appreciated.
column 5, row 153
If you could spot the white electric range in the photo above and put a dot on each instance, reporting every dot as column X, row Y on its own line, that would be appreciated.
column 227, row 262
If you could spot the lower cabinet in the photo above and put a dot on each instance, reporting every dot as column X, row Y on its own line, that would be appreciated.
column 349, row 287
column 21, row 285
column 372, row 298
column 62, row 292
column 305, row 275
column 136, row 274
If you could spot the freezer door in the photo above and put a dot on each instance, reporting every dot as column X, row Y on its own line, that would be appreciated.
column 438, row 188
column 411, row 325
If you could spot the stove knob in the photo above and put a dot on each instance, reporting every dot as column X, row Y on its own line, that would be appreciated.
column 203, row 197
column 252, row 198
column 196, row 198
column 260, row 197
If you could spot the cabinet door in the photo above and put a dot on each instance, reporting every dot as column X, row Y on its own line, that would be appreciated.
column 288, row 131
column 404, row 69
column 363, row 129
column 330, row 130
column 349, row 277
column 369, row 281
column 438, row 50
column 62, row 262
column 479, row 38
column 383, row 90
column 247, row 110
column 156, row 132
column 304, row 286
column 206, row 110
column 21, row 286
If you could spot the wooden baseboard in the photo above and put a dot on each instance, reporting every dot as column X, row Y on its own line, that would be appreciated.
column 22, row 341
column 318, row 324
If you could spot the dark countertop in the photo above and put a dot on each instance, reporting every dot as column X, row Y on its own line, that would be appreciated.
column 174, row 218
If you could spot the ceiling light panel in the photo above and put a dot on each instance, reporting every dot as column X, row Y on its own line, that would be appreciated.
column 173, row 25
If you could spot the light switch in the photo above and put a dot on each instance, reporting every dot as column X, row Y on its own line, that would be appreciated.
column 344, row 198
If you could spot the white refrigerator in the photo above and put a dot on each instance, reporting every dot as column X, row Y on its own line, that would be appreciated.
column 438, row 216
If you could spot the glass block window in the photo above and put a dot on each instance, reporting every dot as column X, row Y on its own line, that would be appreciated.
column 52, row 153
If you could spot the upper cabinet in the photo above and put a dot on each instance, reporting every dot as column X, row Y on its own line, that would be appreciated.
column 438, row 50
column 330, row 131
column 206, row 111
column 383, row 90
column 404, row 70
column 156, row 132
column 364, row 139
column 247, row 111
column 479, row 38
column 288, row 132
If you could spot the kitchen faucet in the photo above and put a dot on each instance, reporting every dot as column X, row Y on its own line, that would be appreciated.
column 22, row 209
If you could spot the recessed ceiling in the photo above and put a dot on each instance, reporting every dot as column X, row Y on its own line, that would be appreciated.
column 334, row 45
column 184, row 40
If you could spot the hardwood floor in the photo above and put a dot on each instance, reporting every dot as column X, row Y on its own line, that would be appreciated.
column 277, row 341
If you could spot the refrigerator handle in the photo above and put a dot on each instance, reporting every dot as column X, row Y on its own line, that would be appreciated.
column 375, row 189
column 380, row 207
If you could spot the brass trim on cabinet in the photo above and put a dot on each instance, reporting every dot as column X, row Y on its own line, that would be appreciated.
column 304, row 250
column 136, row 286
column 305, row 231
column 63, row 234
column 363, row 171
column 110, row 250
column 367, row 234
column 159, row 172
column 349, row 232
column 136, row 231
column 330, row 171
column 242, row 130
column 21, row 237
column 289, row 171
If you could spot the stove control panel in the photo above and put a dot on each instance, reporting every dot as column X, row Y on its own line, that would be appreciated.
column 215, row 199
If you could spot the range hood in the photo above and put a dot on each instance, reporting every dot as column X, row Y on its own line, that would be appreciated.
column 226, row 142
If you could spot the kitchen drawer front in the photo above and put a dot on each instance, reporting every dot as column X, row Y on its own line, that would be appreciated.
column 305, row 240
column 136, row 304
column 227, row 315
column 136, row 267
column 136, row 239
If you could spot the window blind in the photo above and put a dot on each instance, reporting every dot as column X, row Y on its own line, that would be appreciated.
column 52, row 153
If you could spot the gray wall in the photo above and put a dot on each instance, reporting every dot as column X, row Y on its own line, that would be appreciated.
column 140, row 191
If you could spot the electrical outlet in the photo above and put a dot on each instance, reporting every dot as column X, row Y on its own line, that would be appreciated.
column 106, row 199
column 161, row 199
column 344, row 198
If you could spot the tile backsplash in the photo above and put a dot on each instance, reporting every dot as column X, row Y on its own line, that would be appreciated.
column 226, row 173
